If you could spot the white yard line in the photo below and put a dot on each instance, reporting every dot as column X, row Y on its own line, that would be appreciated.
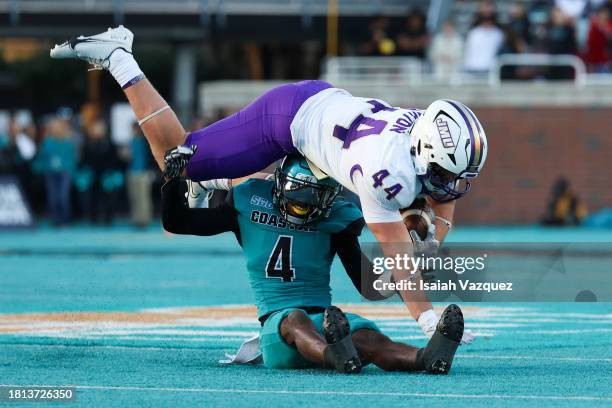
column 496, row 357
column 563, row 331
column 111, row 347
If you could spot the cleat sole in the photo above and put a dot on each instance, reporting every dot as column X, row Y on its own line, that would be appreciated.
column 440, row 350
column 337, row 333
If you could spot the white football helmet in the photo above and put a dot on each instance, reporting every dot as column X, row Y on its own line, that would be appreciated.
column 449, row 147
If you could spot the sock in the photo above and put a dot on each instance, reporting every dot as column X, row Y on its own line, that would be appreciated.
column 428, row 321
column 124, row 68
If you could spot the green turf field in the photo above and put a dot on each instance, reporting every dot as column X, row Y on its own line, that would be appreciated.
column 134, row 318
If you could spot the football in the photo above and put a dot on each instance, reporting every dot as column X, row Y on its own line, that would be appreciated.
column 418, row 217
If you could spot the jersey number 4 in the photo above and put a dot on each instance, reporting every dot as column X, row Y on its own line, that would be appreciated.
column 362, row 126
column 279, row 263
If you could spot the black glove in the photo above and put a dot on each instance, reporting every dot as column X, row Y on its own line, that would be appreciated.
column 176, row 159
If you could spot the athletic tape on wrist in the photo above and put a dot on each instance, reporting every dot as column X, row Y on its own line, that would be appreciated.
column 449, row 224
column 133, row 81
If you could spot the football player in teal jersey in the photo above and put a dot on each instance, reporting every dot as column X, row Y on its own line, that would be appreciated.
column 290, row 230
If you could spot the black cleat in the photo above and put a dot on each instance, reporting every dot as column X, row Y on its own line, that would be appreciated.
column 441, row 348
column 340, row 352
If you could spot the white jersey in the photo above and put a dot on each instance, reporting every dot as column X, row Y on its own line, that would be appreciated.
column 364, row 144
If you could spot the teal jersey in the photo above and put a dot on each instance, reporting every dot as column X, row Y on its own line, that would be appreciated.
column 57, row 155
column 288, row 266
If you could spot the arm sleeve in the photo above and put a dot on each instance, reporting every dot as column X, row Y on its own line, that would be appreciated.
column 357, row 265
column 178, row 218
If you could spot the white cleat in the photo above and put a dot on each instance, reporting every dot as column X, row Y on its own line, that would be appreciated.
column 96, row 49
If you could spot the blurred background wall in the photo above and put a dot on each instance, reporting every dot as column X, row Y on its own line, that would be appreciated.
column 530, row 149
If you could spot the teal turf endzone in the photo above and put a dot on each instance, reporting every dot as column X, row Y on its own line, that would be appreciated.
column 537, row 354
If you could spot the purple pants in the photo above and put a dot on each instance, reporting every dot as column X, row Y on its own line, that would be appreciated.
column 252, row 138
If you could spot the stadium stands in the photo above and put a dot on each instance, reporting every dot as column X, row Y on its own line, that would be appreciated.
column 214, row 56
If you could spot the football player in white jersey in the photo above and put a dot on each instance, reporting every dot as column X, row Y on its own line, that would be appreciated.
column 386, row 155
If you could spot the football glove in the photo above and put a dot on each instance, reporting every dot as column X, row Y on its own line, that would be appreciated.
column 428, row 247
column 176, row 159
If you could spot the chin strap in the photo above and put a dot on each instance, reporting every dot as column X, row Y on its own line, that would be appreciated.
column 446, row 222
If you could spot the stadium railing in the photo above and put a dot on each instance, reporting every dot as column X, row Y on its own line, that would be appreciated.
column 414, row 72
column 540, row 60
column 402, row 81
column 404, row 69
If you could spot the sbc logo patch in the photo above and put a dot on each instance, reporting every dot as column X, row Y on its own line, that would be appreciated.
column 260, row 202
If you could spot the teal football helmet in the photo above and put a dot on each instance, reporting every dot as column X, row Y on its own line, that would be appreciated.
column 299, row 196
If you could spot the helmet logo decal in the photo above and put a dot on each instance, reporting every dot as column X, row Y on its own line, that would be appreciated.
column 306, row 177
column 444, row 132
column 474, row 128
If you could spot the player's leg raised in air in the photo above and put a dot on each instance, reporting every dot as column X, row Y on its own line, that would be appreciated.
column 111, row 50
column 236, row 146
column 252, row 138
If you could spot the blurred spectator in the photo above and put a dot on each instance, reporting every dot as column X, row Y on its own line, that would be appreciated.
column 514, row 44
column 597, row 55
column 560, row 39
column 57, row 161
column 519, row 25
column 100, row 175
column 539, row 13
column 446, row 51
column 483, row 41
column 17, row 149
column 486, row 11
column 24, row 140
column 139, row 180
column 24, row 133
column 564, row 207
column 66, row 114
column 413, row 39
column 380, row 43
column 571, row 8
